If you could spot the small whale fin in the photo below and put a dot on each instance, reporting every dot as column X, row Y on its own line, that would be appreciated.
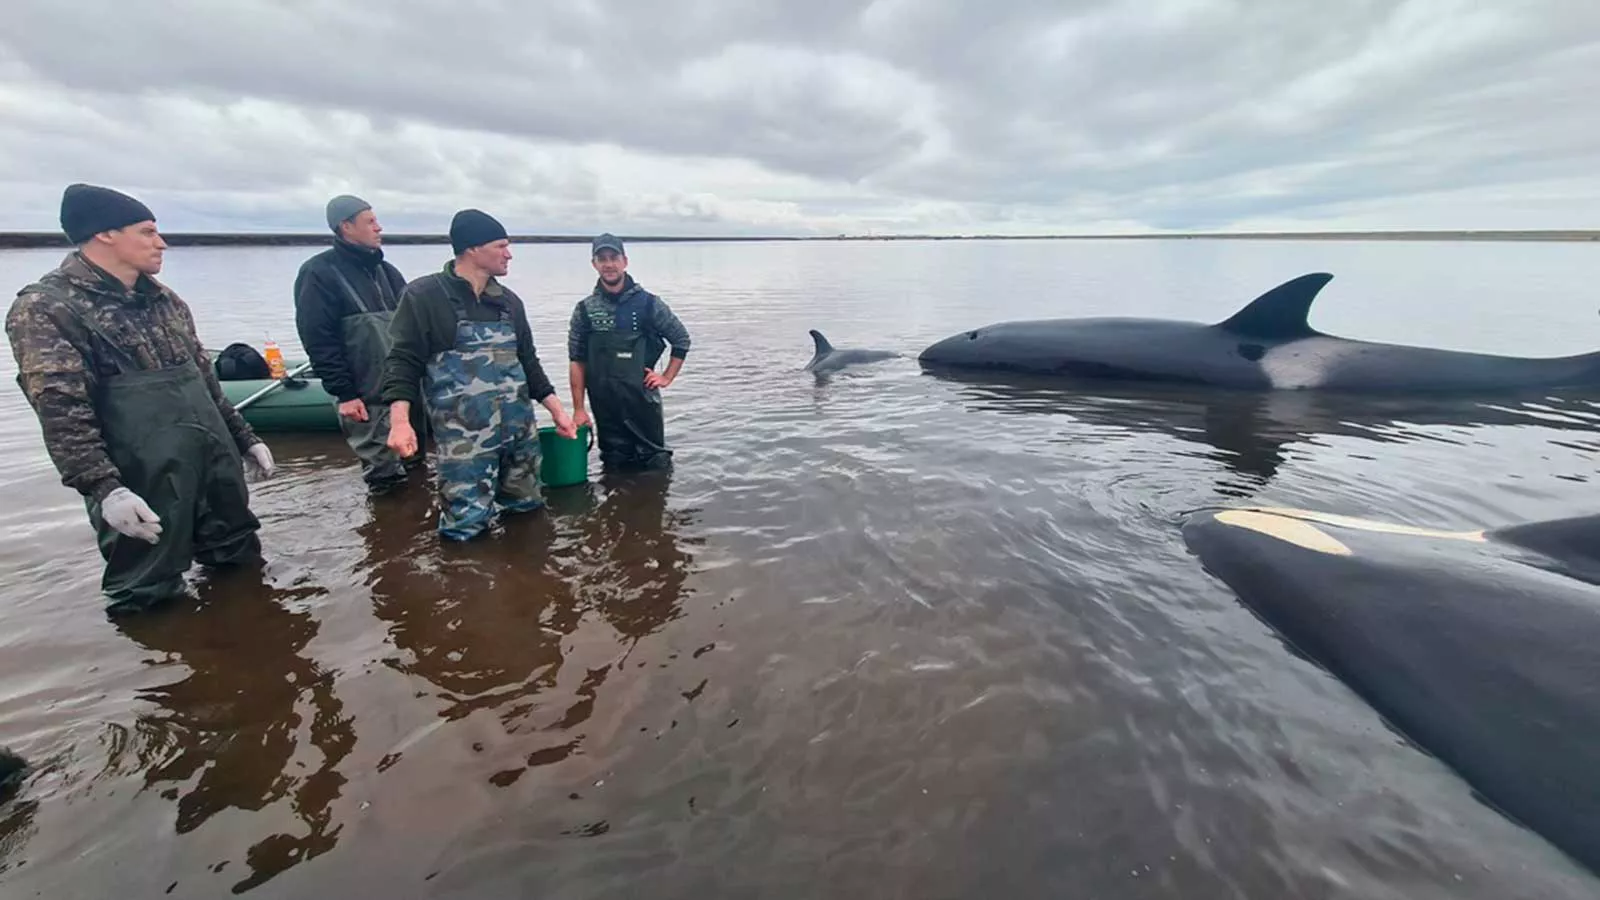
column 823, row 348
column 1573, row 542
column 1281, row 312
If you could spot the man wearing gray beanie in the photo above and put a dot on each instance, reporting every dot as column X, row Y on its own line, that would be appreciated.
column 462, row 345
column 344, row 299
column 132, row 413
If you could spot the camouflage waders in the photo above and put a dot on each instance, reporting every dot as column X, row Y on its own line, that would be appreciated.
column 485, row 443
column 366, row 343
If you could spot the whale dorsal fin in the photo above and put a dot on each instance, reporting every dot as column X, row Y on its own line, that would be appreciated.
column 1280, row 312
column 1572, row 543
column 823, row 348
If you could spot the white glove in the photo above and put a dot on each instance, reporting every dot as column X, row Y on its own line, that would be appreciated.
column 129, row 514
column 262, row 458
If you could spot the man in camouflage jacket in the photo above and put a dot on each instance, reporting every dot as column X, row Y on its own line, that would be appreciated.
column 130, row 408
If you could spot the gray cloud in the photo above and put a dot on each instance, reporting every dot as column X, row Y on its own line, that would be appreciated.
column 730, row 117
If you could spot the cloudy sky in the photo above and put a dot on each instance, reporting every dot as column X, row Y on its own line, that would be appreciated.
column 811, row 116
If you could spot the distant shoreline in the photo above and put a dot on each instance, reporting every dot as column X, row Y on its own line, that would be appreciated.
column 25, row 240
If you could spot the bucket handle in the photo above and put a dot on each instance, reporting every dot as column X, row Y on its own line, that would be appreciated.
column 591, row 440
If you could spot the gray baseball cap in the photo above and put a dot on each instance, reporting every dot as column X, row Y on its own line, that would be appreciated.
column 606, row 242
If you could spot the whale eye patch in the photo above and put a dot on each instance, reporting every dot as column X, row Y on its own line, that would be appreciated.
column 1252, row 352
column 972, row 335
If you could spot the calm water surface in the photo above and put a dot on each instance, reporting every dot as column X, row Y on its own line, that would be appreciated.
column 889, row 635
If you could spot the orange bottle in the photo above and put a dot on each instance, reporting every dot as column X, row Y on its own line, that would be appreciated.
column 275, row 359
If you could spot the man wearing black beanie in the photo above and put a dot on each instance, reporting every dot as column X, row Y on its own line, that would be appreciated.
column 462, row 344
column 132, row 413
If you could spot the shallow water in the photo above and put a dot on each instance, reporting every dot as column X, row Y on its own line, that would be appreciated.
column 887, row 635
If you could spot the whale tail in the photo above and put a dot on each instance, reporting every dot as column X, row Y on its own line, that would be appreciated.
column 1280, row 313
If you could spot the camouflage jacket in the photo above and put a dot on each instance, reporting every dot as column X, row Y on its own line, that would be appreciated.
column 61, row 357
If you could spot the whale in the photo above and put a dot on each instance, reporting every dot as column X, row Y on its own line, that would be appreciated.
column 1481, row 647
column 12, row 768
column 1266, row 345
column 828, row 358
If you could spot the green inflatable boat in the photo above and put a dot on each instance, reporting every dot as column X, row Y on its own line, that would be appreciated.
column 298, row 404
column 293, row 404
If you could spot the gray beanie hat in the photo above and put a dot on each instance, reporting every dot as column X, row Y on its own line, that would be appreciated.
column 344, row 207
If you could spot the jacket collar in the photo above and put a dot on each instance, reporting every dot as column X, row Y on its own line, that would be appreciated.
column 365, row 257
column 99, row 283
column 491, row 288
column 628, row 287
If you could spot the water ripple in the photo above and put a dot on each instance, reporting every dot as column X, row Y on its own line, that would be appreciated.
column 880, row 634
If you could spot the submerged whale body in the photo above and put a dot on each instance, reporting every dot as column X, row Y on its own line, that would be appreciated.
column 1481, row 647
column 12, row 768
column 828, row 358
column 1251, row 432
column 1267, row 345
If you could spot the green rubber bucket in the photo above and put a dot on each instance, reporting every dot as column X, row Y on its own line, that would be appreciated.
column 564, row 461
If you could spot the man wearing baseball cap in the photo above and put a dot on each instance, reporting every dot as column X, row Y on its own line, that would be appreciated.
column 132, row 414
column 614, row 338
column 462, row 344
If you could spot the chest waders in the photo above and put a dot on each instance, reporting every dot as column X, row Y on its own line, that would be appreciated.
column 167, row 438
column 366, row 344
column 485, row 443
column 629, row 426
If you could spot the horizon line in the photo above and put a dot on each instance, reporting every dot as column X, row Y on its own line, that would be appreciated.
column 20, row 240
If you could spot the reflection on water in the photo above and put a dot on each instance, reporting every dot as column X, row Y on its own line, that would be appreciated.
column 1248, row 431
column 629, row 562
column 878, row 634
column 241, row 730
column 16, row 828
column 483, row 623
column 253, row 722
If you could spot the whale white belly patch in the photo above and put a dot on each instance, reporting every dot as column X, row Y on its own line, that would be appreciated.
column 1296, row 526
column 1303, row 364
column 1291, row 531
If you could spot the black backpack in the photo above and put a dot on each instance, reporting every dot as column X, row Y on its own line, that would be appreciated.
column 242, row 362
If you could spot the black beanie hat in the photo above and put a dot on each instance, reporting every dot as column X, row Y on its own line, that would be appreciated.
column 474, row 227
column 87, row 210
